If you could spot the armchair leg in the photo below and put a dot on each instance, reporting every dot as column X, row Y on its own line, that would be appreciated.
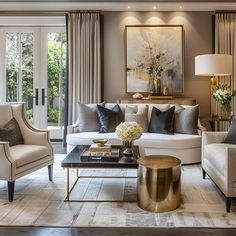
column 50, row 172
column 203, row 174
column 11, row 188
column 228, row 204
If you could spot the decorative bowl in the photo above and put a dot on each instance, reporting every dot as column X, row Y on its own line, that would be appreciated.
column 100, row 142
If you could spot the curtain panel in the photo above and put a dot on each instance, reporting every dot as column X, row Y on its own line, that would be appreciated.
column 225, row 40
column 84, row 61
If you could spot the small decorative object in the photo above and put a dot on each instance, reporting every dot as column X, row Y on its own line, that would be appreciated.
column 165, row 91
column 223, row 94
column 128, row 132
column 100, row 142
column 137, row 96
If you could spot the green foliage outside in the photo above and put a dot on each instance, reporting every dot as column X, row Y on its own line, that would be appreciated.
column 56, row 72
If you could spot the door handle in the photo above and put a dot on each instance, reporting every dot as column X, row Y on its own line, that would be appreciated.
column 36, row 97
column 43, row 96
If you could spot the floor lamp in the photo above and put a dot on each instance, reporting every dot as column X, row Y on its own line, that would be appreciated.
column 213, row 65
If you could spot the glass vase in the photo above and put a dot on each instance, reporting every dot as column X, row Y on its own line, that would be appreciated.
column 225, row 112
column 128, row 148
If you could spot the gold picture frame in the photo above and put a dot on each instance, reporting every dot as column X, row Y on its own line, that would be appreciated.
column 154, row 51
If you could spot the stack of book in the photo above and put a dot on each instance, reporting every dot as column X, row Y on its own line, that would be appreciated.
column 105, row 153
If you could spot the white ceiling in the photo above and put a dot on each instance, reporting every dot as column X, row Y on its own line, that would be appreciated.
column 118, row 5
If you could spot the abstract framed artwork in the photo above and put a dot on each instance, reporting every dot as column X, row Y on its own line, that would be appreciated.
column 154, row 51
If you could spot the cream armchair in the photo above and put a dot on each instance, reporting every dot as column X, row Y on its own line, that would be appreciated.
column 20, row 160
column 219, row 163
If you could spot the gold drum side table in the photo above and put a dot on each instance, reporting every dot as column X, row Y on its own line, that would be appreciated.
column 159, row 183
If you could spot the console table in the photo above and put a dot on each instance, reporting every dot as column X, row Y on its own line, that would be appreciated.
column 174, row 100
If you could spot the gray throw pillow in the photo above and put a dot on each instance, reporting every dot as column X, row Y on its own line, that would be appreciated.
column 109, row 119
column 88, row 118
column 138, row 114
column 186, row 120
column 231, row 135
column 11, row 133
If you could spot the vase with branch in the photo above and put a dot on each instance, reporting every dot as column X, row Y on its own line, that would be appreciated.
column 223, row 94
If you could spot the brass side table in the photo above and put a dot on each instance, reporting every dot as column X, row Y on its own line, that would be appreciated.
column 159, row 183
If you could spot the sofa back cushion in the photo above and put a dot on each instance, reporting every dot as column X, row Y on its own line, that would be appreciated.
column 6, row 114
column 137, row 114
column 186, row 119
column 162, row 122
column 109, row 118
column 88, row 118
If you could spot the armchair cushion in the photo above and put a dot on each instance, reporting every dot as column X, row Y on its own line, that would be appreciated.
column 11, row 133
column 25, row 154
column 216, row 154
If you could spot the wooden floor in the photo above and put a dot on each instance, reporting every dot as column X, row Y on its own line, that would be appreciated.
column 42, row 231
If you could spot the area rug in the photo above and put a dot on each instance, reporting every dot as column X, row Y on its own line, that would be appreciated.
column 39, row 202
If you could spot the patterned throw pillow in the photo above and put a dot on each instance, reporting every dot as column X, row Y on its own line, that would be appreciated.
column 11, row 133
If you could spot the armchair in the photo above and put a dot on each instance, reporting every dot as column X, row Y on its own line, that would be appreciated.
column 20, row 160
column 219, row 163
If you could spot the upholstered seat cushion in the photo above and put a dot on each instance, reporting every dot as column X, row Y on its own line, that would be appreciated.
column 155, row 140
column 216, row 154
column 25, row 154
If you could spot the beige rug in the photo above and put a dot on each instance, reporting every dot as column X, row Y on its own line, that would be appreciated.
column 39, row 202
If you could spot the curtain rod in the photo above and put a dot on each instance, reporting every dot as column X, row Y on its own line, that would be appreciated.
column 44, row 13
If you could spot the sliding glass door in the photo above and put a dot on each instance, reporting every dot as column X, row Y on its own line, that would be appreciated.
column 33, row 64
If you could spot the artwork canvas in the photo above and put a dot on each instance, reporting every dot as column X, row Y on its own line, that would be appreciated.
column 154, row 52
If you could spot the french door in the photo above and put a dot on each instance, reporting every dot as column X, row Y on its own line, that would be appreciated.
column 33, row 65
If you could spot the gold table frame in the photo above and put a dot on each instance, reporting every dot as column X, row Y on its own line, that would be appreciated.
column 70, row 189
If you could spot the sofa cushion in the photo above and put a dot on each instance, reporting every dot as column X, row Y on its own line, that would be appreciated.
column 109, row 119
column 152, row 140
column 162, row 122
column 11, row 133
column 88, row 117
column 186, row 119
column 137, row 114
column 216, row 154
column 231, row 135
column 25, row 154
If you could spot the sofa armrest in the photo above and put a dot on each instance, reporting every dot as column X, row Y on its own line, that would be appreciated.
column 73, row 128
column 7, row 162
column 200, row 127
column 209, row 137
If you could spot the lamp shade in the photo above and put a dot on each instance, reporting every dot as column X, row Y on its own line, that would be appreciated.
column 213, row 65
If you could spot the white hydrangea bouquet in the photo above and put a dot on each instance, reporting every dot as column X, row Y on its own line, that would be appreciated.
column 224, row 95
column 129, row 131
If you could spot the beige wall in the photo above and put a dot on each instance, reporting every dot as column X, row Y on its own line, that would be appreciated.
column 198, row 31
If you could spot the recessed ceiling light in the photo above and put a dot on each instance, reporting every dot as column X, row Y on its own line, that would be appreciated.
column 154, row 7
column 129, row 7
column 180, row 7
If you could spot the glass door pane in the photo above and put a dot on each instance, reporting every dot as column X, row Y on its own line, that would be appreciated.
column 56, row 67
column 19, row 69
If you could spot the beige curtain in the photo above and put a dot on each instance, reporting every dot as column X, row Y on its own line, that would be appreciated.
column 84, row 61
column 225, row 43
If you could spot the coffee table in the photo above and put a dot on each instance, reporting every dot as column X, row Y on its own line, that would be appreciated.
column 73, row 161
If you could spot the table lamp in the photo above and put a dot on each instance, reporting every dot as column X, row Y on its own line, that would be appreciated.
column 213, row 65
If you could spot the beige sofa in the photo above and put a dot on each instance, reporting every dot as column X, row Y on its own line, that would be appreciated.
column 20, row 160
column 186, row 147
column 219, row 163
